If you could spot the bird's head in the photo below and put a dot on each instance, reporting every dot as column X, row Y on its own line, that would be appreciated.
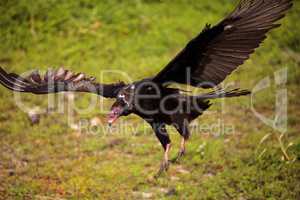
column 140, row 98
column 123, row 105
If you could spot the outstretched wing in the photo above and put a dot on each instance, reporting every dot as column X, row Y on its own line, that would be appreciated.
column 218, row 50
column 60, row 80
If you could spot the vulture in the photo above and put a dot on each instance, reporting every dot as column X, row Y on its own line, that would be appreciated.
column 204, row 62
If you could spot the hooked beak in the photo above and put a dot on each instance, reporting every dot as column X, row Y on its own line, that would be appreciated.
column 114, row 114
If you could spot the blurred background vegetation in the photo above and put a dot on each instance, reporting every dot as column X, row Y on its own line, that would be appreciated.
column 52, row 160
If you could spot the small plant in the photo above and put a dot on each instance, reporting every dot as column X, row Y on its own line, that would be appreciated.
column 280, row 138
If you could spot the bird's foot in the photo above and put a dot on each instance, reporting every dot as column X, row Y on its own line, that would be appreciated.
column 178, row 157
column 163, row 168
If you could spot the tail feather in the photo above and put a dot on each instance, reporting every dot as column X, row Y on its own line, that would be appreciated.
column 221, row 93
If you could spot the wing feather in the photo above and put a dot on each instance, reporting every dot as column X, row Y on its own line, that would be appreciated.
column 60, row 80
column 219, row 50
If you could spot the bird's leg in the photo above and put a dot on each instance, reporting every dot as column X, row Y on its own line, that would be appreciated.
column 182, row 147
column 165, row 163
column 182, row 128
column 163, row 137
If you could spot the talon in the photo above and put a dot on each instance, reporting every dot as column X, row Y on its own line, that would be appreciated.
column 181, row 151
column 178, row 157
column 163, row 168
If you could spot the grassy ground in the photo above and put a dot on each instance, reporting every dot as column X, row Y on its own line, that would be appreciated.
column 53, row 161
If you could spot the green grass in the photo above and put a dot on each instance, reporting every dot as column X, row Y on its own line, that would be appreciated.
column 139, row 37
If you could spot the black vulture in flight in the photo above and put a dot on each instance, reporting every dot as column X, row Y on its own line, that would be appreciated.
column 204, row 63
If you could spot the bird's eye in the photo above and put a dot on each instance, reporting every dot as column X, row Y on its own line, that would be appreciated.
column 121, row 96
column 149, row 88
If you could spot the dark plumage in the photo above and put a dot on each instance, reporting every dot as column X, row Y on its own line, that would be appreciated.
column 205, row 62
